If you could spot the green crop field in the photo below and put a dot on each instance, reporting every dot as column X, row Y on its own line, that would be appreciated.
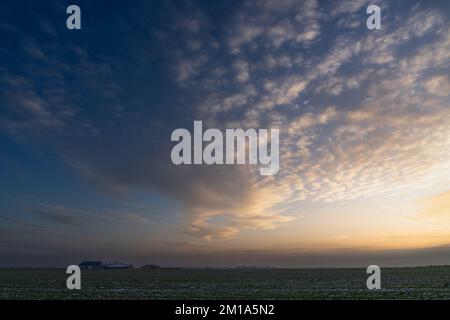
column 397, row 283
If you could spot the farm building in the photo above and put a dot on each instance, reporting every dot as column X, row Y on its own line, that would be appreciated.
column 150, row 267
column 91, row 265
column 118, row 266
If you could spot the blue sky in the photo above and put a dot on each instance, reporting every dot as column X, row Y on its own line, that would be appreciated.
column 86, row 118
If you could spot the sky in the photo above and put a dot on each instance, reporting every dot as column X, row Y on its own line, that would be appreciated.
column 86, row 118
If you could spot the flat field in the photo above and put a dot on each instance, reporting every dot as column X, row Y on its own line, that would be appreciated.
column 397, row 283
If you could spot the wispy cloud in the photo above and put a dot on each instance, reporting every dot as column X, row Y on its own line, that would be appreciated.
column 436, row 207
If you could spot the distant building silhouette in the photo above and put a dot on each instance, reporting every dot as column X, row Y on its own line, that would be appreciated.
column 91, row 265
column 118, row 265
column 150, row 267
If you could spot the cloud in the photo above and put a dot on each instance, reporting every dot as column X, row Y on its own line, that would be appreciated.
column 75, row 217
column 349, row 6
column 255, row 211
column 266, row 24
column 436, row 207
column 187, row 68
column 21, row 223
column 242, row 68
column 438, row 85
column 32, row 48
column 346, row 152
column 332, row 150
column 59, row 215
column 376, row 122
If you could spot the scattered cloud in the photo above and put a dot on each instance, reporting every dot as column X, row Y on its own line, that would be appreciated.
column 438, row 85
